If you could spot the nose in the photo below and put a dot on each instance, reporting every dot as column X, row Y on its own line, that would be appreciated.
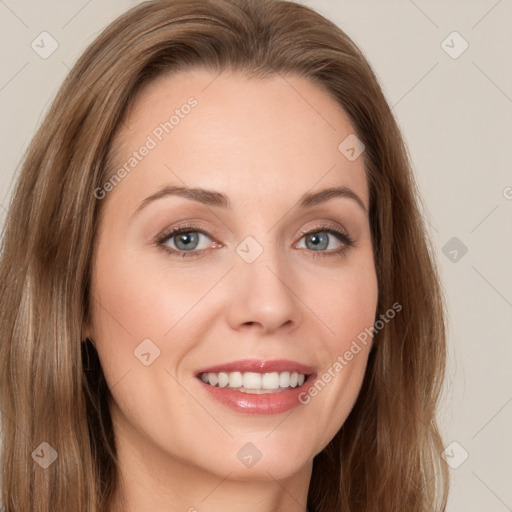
column 266, row 294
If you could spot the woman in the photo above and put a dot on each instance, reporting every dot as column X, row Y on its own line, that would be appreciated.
column 217, row 290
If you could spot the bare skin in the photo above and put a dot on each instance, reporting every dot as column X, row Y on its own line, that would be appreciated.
column 263, row 144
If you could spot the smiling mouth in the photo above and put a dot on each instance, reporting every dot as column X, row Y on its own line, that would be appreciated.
column 254, row 382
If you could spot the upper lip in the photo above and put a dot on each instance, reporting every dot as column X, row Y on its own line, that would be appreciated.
column 259, row 366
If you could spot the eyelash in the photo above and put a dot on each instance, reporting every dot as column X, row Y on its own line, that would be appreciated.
column 346, row 240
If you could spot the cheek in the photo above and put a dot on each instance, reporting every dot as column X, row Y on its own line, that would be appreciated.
column 135, row 308
column 347, row 300
column 136, row 300
column 348, row 309
column 140, row 313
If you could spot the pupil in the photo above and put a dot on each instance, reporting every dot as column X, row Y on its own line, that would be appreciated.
column 317, row 240
column 186, row 239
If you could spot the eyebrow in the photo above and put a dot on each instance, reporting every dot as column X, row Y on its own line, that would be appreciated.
column 218, row 199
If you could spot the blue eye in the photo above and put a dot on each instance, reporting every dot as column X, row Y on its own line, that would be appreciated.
column 320, row 239
column 186, row 239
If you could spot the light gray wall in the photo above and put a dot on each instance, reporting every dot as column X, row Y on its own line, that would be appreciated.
column 456, row 116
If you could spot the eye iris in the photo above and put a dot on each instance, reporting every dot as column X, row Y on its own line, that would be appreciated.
column 186, row 238
column 316, row 238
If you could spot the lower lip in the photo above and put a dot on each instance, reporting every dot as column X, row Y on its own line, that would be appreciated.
column 267, row 403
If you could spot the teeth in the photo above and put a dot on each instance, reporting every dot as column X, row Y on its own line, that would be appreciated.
column 235, row 380
column 269, row 380
column 284, row 379
column 223, row 379
column 252, row 382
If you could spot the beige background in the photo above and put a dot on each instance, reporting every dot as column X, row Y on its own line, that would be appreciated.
column 456, row 116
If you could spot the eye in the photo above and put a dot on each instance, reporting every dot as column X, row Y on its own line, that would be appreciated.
column 183, row 241
column 320, row 237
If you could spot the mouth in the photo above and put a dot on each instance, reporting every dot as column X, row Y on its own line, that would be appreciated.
column 257, row 386
column 253, row 382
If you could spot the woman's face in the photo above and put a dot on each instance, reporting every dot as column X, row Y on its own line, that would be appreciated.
column 258, row 285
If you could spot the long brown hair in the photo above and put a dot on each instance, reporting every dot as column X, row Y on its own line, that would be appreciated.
column 387, row 455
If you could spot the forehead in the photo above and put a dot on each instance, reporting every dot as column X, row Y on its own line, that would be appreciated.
column 245, row 136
